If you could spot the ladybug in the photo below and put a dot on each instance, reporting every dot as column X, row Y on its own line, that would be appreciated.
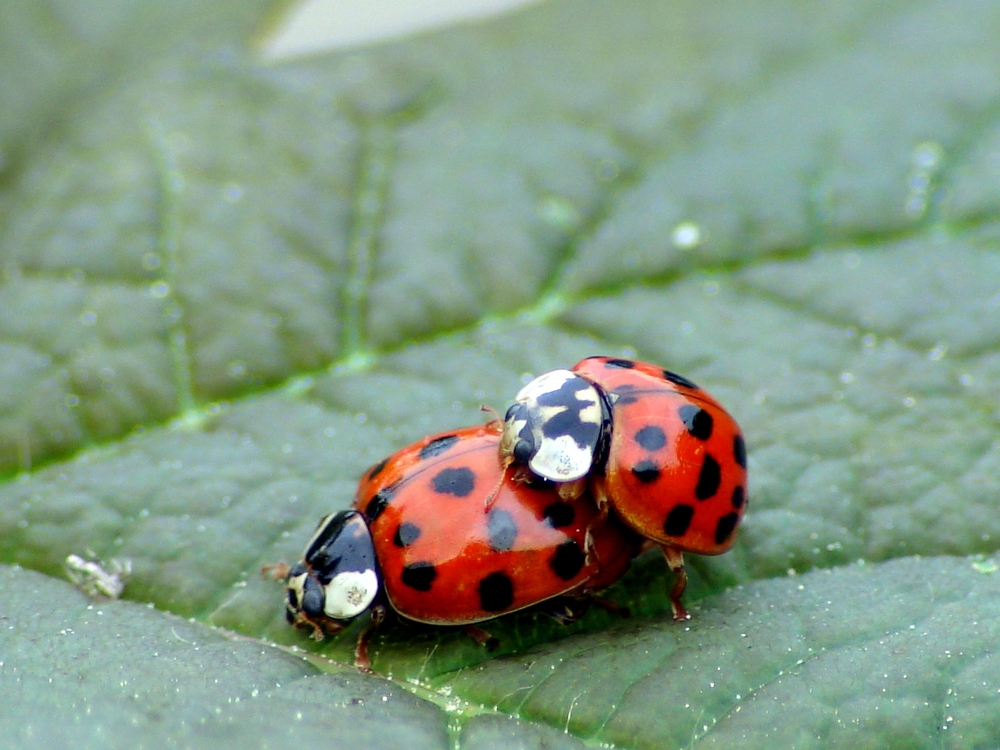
column 421, row 541
column 666, row 457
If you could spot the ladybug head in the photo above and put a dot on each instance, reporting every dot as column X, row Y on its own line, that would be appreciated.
column 558, row 425
column 337, row 578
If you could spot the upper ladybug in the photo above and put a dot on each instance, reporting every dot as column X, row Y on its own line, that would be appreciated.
column 443, row 535
column 668, row 458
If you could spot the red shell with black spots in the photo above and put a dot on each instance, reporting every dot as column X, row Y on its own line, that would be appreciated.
column 449, row 556
column 676, row 468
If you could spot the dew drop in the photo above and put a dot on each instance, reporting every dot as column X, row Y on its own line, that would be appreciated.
column 686, row 235
column 159, row 289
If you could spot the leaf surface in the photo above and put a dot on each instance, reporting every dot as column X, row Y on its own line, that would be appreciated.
column 227, row 287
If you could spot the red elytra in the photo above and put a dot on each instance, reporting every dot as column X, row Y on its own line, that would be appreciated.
column 460, row 541
column 676, row 466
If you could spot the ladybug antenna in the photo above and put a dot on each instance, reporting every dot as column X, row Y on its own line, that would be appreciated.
column 492, row 412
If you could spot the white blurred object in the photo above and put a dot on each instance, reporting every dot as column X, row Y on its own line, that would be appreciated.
column 319, row 25
column 95, row 578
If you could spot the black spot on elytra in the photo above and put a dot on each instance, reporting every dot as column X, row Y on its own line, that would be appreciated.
column 437, row 446
column 624, row 364
column 568, row 560
column 646, row 472
column 379, row 502
column 502, row 530
column 698, row 421
column 377, row 468
column 678, row 520
column 406, row 534
column 680, row 380
column 651, row 438
column 740, row 450
column 559, row 514
column 496, row 592
column 709, row 479
column 725, row 527
column 739, row 497
column 419, row 575
column 458, row 482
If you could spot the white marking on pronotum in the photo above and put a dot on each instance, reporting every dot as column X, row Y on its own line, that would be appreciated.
column 350, row 593
column 560, row 459
column 545, row 383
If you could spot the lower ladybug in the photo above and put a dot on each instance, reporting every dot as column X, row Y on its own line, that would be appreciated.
column 441, row 534
column 656, row 448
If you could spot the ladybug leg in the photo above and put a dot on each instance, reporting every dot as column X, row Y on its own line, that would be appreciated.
column 277, row 571
column 599, row 489
column 590, row 547
column 361, row 660
column 523, row 475
column 572, row 490
column 300, row 620
column 482, row 637
column 318, row 634
column 567, row 609
column 492, row 497
column 675, row 560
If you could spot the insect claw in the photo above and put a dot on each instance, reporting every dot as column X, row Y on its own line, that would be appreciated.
column 589, row 546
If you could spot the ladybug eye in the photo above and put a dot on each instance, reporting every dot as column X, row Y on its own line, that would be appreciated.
column 523, row 450
column 312, row 598
column 516, row 440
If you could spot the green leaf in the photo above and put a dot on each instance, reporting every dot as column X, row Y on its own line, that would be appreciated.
column 118, row 674
column 893, row 655
column 227, row 287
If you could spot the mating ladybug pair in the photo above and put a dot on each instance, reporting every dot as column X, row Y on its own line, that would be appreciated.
column 589, row 466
